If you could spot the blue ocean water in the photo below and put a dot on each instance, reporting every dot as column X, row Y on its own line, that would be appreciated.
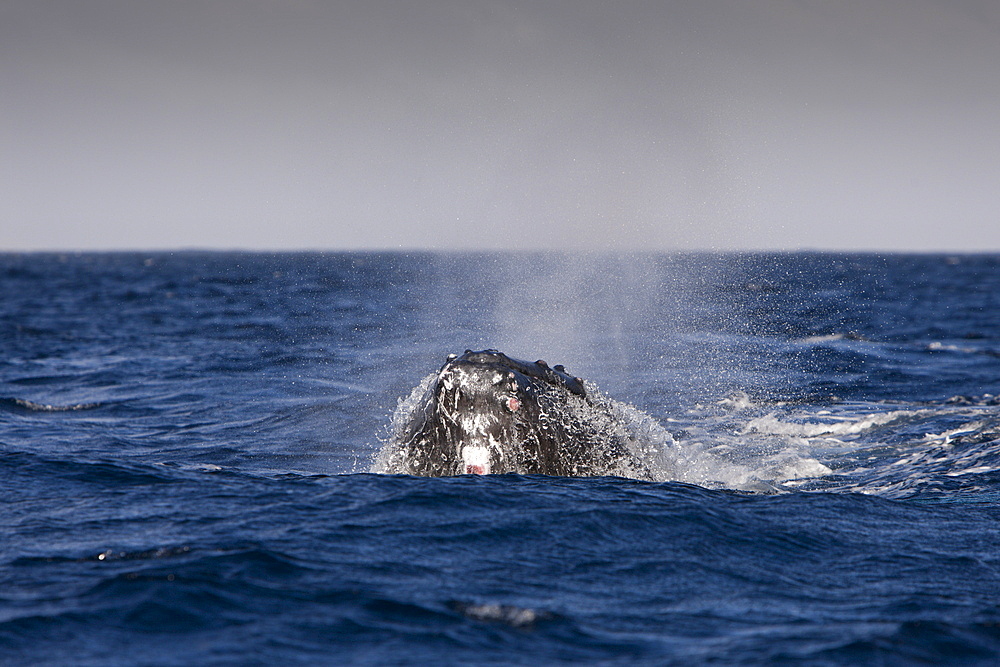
column 188, row 447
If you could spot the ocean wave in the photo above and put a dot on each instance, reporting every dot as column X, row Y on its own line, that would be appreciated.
column 516, row 568
column 946, row 448
column 22, row 469
column 14, row 404
column 106, row 555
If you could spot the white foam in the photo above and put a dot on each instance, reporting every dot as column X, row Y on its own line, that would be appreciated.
column 738, row 402
column 825, row 338
column 770, row 424
column 801, row 469
column 690, row 461
column 388, row 459
column 937, row 346
column 518, row 617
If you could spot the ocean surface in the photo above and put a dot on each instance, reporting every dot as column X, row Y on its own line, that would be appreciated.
column 189, row 446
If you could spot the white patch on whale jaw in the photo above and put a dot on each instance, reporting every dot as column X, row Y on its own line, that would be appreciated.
column 475, row 460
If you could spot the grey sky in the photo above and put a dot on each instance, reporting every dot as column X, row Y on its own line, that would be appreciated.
column 656, row 125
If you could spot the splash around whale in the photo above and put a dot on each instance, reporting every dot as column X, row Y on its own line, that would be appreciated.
column 484, row 412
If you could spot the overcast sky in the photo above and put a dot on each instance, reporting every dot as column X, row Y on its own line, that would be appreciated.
column 302, row 124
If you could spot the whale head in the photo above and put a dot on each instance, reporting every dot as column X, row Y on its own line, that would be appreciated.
column 481, row 401
column 486, row 413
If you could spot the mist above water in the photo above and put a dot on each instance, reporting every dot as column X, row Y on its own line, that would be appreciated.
column 646, row 328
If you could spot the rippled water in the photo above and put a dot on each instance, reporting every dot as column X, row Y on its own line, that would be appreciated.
column 186, row 442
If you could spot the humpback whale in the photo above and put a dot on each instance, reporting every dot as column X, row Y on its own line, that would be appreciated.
column 485, row 412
